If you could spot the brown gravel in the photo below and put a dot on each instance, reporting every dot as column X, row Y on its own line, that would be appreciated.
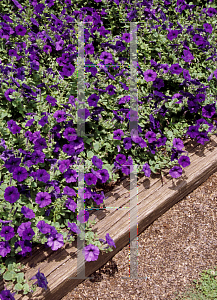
column 172, row 252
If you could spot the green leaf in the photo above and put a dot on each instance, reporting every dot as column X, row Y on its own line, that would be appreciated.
column 20, row 277
column 9, row 275
column 26, row 288
column 96, row 146
column 90, row 154
column 18, row 287
column 3, row 268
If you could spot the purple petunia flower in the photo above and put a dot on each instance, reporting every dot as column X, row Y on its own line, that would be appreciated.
column 209, row 110
column 20, row 174
column 109, row 240
column 198, row 39
column 121, row 159
column 97, row 162
column 175, row 172
column 70, row 175
column 4, row 248
column 38, row 157
column 51, row 100
column 207, row 27
column 172, row 34
column 150, row 75
column 55, row 241
column 6, row 294
column 11, row 194
column 27, row 212
column 42, row 175
column 90, row 178
column 40, row 143
column 146, row 169
column 8, row 93
column 83, row 113
column 73, row 227
column 103, row 175
column 188, row 57
column 70, row 134
column 20, row 30
column 110, row 89
column 107, row 57
column 43, row 227
column 118, row 134
column 43, row 199
column 127, row 37
column 127, row 143
column 71, row 205
column 7, row 232
column 83, row 216
column 176, row 69
column 150, row 136
column 178, row 143
column 41, row 280
column 43, row 121
column 91, row 252
column 93, row 100
column 60, row 116
column 98, row 198
column 184, row 161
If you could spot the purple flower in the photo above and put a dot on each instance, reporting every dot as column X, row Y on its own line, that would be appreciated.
column 40, row 143
column 11, row 194
column 150, row 75
column 70, row 176
column 73, row 227
column 188, row 57
column 68, row 70
column 120, row 158
column 98, row 198
column 7, row 232
column 150, row 136
column 71, row 205
column 103, row 175
column 43, row 227
column 198, row 39
column 63, row 165
column 127, row 143
column 97, row 162
column 6, row 294
column 208, row 111
column 49, row 2
column 55, row 241
column 184, row 161
column 43, row 199
column 110, row 89
column 90, row 178
column 176, row 69
column 8, row 93
column 70, row 134
column 158, row 83
column 91, row 252
column 109, row 240
column 172, row 34
column 41, row 280
column 60, row 116
column 28, row 213
column 83, row 216
column 20, row 174
column 175, row 172
column 89, row 49
column 29, row 123
column 107, row 57
column 193, row 131
column 165, row 68
column 4, row 248
column 146, row 169
column 43, row 121
column 118, row 134
column 83, row 113
column 93, row 100
column 211, row 11
column 207, row 27
column 42, row 175
column 20, row 30
column 51, row 100
column 127, row 37
column 186, row 74
column 27, row 234
column 34, row 65
column 178, row 144
column 38, row 157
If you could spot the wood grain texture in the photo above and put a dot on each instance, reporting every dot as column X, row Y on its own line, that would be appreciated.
column 154, row 199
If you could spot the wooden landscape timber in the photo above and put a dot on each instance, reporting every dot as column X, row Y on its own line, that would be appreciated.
column 154, row 199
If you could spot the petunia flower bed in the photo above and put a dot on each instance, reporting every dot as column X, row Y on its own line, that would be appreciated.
column 40, row 147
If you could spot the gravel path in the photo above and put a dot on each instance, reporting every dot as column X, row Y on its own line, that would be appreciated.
column 172, row 252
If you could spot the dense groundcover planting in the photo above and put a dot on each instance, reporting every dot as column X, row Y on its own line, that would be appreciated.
column 40, row 148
